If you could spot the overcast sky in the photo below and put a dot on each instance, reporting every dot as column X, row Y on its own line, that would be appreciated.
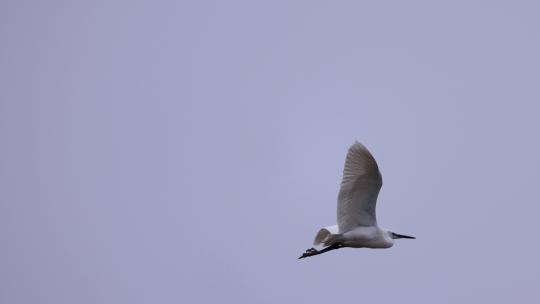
column 188, row 151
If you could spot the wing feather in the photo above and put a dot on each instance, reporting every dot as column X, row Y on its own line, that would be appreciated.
column 360, row 187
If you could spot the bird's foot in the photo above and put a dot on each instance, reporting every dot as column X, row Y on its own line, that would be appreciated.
column 309, row 252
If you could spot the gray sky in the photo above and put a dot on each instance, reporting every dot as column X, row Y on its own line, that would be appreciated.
column 188, row 151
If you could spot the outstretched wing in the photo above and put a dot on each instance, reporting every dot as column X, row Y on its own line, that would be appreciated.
column 360, row 187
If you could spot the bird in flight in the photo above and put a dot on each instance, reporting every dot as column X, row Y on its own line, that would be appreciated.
column 356, row 221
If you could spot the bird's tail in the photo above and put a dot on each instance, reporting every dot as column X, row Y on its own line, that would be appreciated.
column 327, row 236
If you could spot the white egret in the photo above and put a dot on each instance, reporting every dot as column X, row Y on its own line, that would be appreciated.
column 356, row 221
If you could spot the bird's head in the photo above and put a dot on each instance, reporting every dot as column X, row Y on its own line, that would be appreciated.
column 394, row 235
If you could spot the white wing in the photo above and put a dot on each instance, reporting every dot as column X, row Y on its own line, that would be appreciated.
column 323, row 234
column 360, row 187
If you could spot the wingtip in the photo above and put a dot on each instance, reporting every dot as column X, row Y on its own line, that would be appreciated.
column 357, row 145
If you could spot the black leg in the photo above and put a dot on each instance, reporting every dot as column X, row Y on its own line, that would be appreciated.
column 313, row 251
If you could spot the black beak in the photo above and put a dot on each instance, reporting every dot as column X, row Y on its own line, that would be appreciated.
column 401, row 236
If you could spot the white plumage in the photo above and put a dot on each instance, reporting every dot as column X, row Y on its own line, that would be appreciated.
column 360, row 187
column 356, row 217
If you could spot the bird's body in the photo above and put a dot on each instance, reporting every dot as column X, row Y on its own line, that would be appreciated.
column 357, row 223
column 369, row 237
